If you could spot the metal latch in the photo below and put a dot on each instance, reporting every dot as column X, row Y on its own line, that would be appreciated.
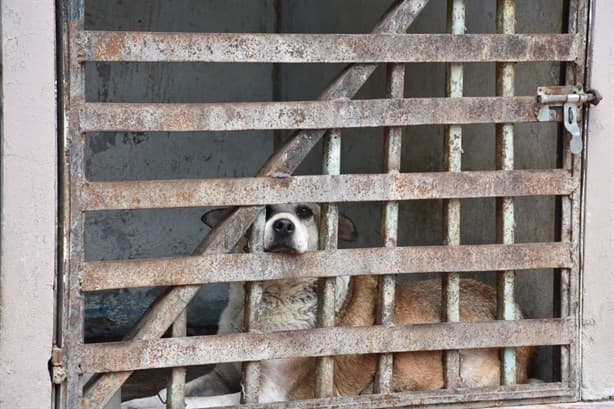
column 571, row 99
column 58, row 373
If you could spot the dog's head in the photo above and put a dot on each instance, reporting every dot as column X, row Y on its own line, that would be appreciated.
column 291, row 228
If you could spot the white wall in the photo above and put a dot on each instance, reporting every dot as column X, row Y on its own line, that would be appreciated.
column 598, row 315
column 28, row 204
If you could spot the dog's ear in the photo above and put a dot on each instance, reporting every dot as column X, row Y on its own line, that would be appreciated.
column 213, row 217
column 347, row 229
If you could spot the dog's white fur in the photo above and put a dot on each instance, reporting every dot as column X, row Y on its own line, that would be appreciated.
column 292, row 305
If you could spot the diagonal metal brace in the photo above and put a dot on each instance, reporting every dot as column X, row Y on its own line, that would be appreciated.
column 163, row 312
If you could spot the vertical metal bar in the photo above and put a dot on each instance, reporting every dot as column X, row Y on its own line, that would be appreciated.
column 253, row 293
column 331, row 165
column 395, row 87
column 73, row 217
column 64, row 197
column 560, row 279
column 506, row 225
column 571, row 209
column 575, row 293
column 452, row 210
column 276, row 74
column 569, row 163
column 175, row 396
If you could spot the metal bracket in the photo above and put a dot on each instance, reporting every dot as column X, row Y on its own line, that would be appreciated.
column 571, row 99
column 58, row 373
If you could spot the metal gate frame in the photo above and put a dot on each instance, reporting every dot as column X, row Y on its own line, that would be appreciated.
column 335, row 110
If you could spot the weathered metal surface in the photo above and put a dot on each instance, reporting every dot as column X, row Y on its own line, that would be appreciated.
column 103, row 275
column 73, row 90
column 97, row 393
column 568, row 280
column 164, row 353
column 253, row 293
column 285, row 160
column 560, row 94
column 571, row 357
column 324, row 189
column 395, row 88
column 329, row 222
column 483, row 397
column 450, row 309
column 324, row 48
column 566, row 213
column 339, row 113
column 506, row 223
column 64, row 215
column 293, row 152
column 175, row 396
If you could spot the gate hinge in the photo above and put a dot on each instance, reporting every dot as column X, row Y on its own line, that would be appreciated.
column 58, row 373
column 571, row 99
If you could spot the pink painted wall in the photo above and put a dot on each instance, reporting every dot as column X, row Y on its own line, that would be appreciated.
column 27, row 264
column 598, row 312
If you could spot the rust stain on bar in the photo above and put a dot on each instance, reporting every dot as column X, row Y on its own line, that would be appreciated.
column 324, row 48
column 489, row 396
column 574, row 301
column 324, row 189
column 253, row 293
column 331, row 165
column 450, row 291
column 175, row 396
column 200, row 350
column 105, row 275
column 71, row 332
column 338, row 113
column 506, row 223
column 569, row 281
column 395, row 88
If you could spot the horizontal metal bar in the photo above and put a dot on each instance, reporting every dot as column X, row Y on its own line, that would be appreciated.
column 105, row 275
column 201, row 350
column 457, row 398
column 323, row 48
column 338, row 113
column 324, row 189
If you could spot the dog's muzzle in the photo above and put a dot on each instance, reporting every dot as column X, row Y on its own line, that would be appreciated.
column 283, row 231
column 283, row 228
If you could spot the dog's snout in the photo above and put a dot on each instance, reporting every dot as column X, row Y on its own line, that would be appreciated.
column 283, row 227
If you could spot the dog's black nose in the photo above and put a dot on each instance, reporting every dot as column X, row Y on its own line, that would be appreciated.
column 283, row 227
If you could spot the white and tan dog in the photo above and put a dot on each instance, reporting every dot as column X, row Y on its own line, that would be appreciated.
column 292, row 304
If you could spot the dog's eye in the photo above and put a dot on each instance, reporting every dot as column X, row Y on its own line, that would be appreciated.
column 304, row 212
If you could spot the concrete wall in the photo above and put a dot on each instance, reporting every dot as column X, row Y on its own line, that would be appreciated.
column 28, row 202
column 598, row 331
column 166, row 155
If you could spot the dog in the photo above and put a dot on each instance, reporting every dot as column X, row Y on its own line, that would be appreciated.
column 292, row 305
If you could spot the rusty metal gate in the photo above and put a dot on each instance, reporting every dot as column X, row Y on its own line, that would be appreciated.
column 112, row 363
